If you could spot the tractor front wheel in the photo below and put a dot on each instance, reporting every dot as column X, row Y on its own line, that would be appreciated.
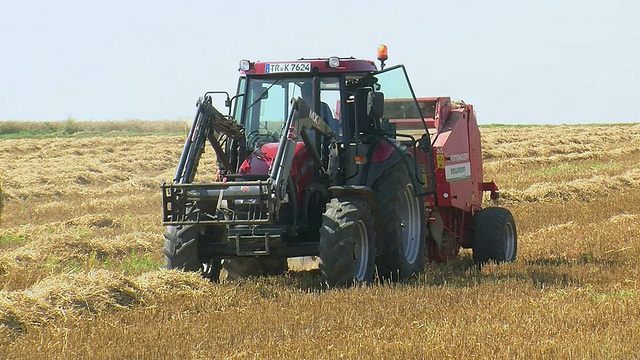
column 347, row 242
column 181, row 248
column 494, row 236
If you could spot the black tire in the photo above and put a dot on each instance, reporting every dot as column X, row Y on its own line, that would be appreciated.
column 402, row 215
column 238, row 268
column 347, row 242
column 181, row 248
column 494, row 236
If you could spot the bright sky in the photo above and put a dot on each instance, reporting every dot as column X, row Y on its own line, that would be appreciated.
column 524, row 62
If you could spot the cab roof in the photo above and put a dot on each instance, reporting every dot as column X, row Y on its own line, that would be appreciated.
column 316, row 65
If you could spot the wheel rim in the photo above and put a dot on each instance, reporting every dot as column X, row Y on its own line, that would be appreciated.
column 509, row 241
column 361, row 250
column 410, row 224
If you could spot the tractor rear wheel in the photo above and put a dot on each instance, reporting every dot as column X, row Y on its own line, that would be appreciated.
column 243, row 267
column 403, row 224
column 181, row 248
column 347, row 242
column 494, row 236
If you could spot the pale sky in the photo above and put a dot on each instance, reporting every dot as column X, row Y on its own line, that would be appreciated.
column 519, row 62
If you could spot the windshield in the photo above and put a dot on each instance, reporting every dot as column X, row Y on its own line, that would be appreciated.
column 268, row 103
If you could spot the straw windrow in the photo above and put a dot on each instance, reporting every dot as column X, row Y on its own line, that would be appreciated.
column 81, row 239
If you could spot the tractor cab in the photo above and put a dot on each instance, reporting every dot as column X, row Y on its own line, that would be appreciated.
column 349, row 95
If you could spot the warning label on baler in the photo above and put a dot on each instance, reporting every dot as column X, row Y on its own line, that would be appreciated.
column 457, row 172
column 439, row 161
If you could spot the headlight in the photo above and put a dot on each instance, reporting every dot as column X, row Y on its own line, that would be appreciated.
column 245, row 65
column 334, row 62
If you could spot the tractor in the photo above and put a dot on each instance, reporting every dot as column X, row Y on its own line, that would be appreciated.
column 334, row 158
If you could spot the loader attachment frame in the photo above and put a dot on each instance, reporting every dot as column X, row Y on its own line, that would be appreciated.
column 238, row 202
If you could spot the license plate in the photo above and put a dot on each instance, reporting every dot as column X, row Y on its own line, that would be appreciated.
column 287, row 68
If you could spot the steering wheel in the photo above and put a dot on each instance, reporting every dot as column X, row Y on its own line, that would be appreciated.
column 256, row 139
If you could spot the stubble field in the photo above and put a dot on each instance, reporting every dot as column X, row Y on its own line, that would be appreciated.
column 80, row 251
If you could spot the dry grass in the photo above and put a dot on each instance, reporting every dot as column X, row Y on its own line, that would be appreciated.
column 22, row 129
column 1, row 199
column 80, row 247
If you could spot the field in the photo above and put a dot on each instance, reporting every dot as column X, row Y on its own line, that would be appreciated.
column 80, row 252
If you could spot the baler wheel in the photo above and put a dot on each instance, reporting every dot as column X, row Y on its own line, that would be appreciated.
column 242, row 267
column 402, row 216
column 494, row 236
column 181, row 248
column 347, row 242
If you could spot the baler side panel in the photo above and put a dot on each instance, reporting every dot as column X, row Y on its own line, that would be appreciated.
column 475, row 157
column 458, row 178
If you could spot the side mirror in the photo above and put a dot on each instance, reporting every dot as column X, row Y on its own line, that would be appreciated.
column 375, row 104
column 265, row 91
column 229, row 101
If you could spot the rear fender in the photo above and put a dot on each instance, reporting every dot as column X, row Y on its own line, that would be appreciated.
column 384, row 156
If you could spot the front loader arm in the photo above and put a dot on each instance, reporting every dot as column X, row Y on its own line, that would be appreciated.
column 208, row 122
column 300, row 119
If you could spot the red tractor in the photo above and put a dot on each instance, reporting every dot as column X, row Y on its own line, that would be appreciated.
column 331, row 157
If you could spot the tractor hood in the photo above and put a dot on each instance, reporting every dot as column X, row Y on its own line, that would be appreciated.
column 302, row 167
column 259, row 162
